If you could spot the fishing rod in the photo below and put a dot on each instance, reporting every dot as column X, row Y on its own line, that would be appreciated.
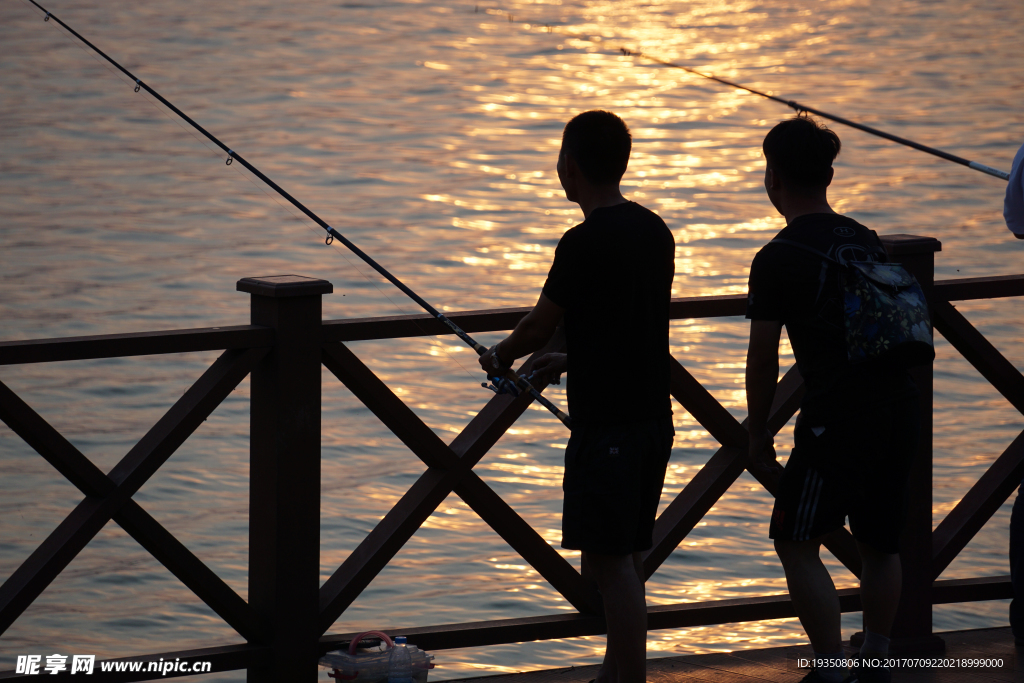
column 789, row 103
column 800, row 108
column 501, row 383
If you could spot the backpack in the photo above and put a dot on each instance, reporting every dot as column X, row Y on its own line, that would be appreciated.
column 885, row 314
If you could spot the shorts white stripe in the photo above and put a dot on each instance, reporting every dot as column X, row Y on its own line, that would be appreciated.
column 809, row 523
column 802, row 507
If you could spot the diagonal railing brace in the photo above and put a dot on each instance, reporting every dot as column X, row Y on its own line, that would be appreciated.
column 85, row 521
column 448, row 471
column 150, row 534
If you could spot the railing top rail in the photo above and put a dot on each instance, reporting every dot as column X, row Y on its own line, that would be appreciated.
column 135, row 344
column 494, row 320
column 394, row 327
column 681, row 308
column 421, row 324
column 966, row 289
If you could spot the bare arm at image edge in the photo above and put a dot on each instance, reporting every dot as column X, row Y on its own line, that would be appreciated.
column 1013, row 205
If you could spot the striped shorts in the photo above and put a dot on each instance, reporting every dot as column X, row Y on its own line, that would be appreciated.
column 857, row 468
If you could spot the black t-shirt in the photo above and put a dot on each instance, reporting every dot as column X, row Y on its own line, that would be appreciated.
column 804, row 292
column 612, row 274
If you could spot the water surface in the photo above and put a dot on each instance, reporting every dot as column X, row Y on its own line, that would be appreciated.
column 427, row 133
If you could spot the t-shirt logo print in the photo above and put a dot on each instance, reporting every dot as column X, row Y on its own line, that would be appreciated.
column 844, row 231
column 847, row 253
column 614, row 450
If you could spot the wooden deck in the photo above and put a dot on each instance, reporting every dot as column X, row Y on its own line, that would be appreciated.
column 779, row 665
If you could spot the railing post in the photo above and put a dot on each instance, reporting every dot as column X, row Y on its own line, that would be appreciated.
column 284, row 475
column 912, row 631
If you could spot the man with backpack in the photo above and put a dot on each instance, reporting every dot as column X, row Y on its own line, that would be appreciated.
column 857, row 430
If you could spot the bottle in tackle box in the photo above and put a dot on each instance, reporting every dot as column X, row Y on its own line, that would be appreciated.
column 400, row 662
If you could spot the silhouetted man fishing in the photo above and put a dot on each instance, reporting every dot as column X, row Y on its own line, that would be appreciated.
column 858, row 425
column 611, row 280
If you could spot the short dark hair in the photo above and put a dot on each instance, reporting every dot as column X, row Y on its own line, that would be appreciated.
column 802, row 150
column 599, row 142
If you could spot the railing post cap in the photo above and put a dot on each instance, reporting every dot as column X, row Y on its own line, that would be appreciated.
column 279, row 286
column 900, row 245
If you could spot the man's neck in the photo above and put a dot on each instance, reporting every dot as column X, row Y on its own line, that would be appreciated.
column 800, row 207
column 599, row 197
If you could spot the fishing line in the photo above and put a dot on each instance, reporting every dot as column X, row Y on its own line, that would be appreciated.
column 286, row 207
column 276, row 199
column 509, row 378
column 800, row 108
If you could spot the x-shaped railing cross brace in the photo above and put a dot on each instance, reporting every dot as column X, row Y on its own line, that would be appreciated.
column 110, row 496
column 449, row 468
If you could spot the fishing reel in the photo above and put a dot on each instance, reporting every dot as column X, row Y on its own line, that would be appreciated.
column 501, row 385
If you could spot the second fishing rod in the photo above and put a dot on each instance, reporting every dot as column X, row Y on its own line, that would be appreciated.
column 800, row 109
column 797, row 106
column 501, row 382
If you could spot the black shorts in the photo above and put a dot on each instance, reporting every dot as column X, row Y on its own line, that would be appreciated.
column 856, row 465
column 612, row 484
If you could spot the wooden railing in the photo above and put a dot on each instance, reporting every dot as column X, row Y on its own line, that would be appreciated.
column 288, row 612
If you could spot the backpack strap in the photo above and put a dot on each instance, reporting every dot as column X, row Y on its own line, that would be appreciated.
column 877, row 250
column 880, row 249
column 824, row 263
column 805, row 247
column 826, row 259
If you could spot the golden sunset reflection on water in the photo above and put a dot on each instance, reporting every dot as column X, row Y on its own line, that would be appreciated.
column 427, row 132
